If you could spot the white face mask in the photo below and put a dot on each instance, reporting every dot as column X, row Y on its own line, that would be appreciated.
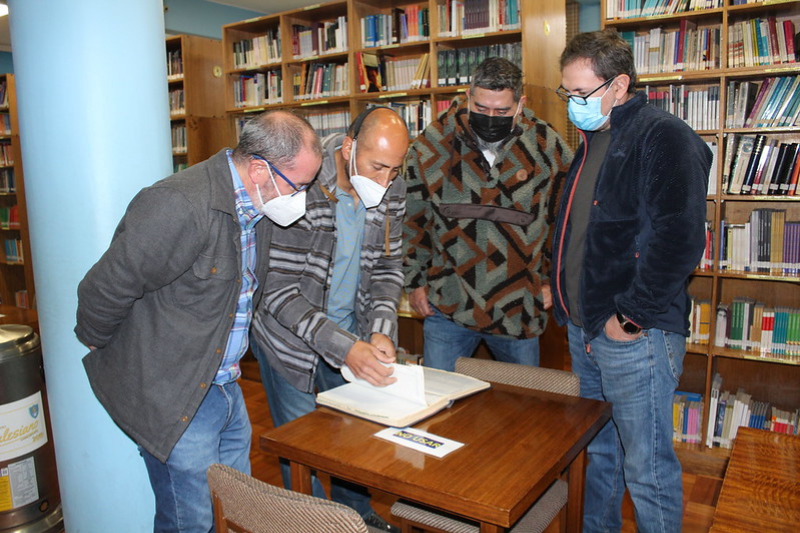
column 283, row 209
column 370, row 192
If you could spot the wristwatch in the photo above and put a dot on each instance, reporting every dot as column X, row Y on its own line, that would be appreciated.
column 627, row 326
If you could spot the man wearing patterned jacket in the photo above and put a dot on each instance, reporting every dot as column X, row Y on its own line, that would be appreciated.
column 334, row 280
column 482, row 181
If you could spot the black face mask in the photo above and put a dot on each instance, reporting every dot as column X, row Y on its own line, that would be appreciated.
column 490, row 129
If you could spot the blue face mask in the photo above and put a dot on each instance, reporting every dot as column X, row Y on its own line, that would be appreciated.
column 588, row 117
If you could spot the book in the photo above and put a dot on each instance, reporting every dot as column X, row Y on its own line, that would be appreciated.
column 418, row 393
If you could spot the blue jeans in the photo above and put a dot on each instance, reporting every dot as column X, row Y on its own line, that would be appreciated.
column 287, row 403
column 639, row 378
column 219, row 433
column 446, row 341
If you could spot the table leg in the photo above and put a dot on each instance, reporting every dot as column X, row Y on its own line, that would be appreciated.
column 491, row 528
column 576, row 476
column 301, row 477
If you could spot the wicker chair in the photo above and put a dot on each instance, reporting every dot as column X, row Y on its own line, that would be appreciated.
column 246, row 505
column 550, row 504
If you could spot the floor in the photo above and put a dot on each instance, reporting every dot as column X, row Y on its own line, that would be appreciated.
column 700, row 493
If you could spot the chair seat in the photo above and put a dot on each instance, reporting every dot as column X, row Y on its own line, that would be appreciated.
column 535, row 520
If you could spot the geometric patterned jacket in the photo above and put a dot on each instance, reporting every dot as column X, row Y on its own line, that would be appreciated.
column 477, row 236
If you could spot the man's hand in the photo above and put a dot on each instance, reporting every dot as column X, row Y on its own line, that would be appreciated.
column 385, row 345
column 615, row 332
column 547, row 296
column 364, row 360
column 418, row 299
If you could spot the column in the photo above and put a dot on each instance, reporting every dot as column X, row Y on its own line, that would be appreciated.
column 93, row 113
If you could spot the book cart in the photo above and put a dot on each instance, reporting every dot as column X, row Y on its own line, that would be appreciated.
column 708, row 62
column 16, row 268
column 197, row 116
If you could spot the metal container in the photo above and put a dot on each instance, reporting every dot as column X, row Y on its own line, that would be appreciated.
column 29, row 498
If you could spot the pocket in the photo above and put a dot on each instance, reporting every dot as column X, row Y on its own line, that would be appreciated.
column 206, row 280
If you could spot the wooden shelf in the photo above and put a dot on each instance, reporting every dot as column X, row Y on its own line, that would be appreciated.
column 540, row 67
column 767, row 378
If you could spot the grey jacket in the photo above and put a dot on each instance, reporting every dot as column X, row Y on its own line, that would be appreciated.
column 159, row 304
column 291, row 325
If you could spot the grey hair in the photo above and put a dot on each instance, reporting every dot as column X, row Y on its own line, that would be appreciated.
column 277, row 136
column 497, row 74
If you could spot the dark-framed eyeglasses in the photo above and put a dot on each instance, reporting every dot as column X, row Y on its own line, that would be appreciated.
column 578, row 99
column 296, row 188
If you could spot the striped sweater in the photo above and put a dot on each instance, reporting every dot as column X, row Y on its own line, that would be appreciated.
column 475, row 235
column 291, row 324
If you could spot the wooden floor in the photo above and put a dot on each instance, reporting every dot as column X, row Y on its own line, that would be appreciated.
column 700, row 493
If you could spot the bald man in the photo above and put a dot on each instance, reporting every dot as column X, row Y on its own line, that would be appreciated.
column 335, row 279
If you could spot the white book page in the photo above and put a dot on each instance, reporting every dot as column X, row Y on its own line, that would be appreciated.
column 410, row 384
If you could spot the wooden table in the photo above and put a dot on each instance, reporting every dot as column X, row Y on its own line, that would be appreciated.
column 517, row 442
column 761, row 488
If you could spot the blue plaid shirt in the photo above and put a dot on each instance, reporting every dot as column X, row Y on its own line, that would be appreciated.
column 248, row 216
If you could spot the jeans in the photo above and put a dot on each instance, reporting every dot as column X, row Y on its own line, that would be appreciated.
column 219, row 433
column 287, row 403
column 639, row 378
column 446, row 341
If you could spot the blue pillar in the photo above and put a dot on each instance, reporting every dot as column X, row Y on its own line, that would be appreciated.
column 93, row 110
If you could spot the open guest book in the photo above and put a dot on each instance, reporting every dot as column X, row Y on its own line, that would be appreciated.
column 418, row 393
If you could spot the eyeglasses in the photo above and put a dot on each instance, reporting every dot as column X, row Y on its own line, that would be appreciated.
column 296, row 188
column 578, row 99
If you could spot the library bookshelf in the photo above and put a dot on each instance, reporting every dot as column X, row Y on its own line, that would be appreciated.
column 16, row 270
column 261, row 73
column 698, row 62
column 274, row 61
column 197, row 111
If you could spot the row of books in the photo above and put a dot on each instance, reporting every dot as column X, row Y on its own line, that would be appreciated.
column 5, row 123
column 177, row 105
column 329, row 37
column 388, row 73
column 760, row 165
column 9, row 217
column 15, row 254
column 3, row 94
column 699, row 321
column 6, row 155
column 321, row 80
column 698, row 107
column 327, row 122
column 21, row 299
column 647, row 8
column 262, row 88
column 707, row 261
column 262, row 50
column 483, row 16
column 776, row 104
column 7, row 182
column 179, row 138
column 406, row 25
column 758, row 41
column 745, row 324
column 455, row 67
column 728, row 412
column 767, row 243
column 177, row 166
column 687, row 417
column 685, row 49
column 174, row 64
